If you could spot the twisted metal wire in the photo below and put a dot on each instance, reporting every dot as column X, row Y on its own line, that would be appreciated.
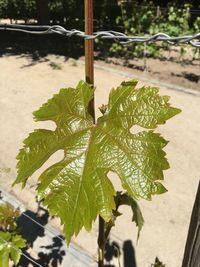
column 122, row 38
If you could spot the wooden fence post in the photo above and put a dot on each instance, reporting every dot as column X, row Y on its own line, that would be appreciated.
column 192, row 248
column 42, row 12
column 89, row 51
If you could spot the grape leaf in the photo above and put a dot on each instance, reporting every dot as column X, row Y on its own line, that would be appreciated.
column 77, row 188
column 10, row 245
column 17, row 242
column 158, row 263
column 125, row 199
column 8, row 216
column 4, row 258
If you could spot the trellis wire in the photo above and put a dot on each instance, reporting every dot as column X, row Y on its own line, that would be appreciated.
column 122, row 38
column 19, row 250
column 50, row 230
column 53, row 234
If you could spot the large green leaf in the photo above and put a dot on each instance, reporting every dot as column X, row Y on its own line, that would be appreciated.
column 77, row 188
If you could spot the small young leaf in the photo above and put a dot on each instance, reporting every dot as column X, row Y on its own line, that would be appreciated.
column 10, row 241
column 15, row 255
column 158, row 263
column 4, row 258
column 8, row 216
column 4, row 248
column 4, row 236
column 77, row 188
column 125, row 199
column 15, row 251
column 18, row 241
column 10, row 245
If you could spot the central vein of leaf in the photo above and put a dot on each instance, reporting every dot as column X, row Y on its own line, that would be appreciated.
column 84, row 170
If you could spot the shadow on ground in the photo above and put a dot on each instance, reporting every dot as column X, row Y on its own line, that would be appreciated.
column 32, row 226
column 47, row 249
column 37, row 47
column 189, row 76
column 112, row 250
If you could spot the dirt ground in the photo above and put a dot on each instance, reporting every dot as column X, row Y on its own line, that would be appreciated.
column 25, row 85
column 185, row 73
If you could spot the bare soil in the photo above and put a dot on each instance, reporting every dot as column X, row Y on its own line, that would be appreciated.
column 183, row 73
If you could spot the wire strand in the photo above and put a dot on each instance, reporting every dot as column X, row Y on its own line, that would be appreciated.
column 122, row 38
column 39, row 224
column 19, row 250
column 53, row 233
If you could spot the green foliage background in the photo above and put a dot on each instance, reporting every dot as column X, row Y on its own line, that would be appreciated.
column 131, row 17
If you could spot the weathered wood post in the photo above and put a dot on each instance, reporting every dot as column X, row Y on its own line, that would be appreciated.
column 192, row 248
column 89, row 50
column 42, row 12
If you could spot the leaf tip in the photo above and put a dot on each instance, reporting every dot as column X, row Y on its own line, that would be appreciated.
column 177, row 111
column 132, row 83
column 158, row 189
column 18, row 181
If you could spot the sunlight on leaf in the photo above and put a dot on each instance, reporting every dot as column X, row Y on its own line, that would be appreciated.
column 10, row 241
column 77, row 188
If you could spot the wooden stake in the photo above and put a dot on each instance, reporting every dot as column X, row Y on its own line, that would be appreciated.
column 89, row 77
column 89, row 50
column 192, row 248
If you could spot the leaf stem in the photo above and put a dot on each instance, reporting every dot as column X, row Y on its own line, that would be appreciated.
column 101, row 242
column 104, row 231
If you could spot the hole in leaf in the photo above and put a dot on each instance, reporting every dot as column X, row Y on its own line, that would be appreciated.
column 56, row 157
column 136, row 129
column 115, row 180
column 47, row 125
